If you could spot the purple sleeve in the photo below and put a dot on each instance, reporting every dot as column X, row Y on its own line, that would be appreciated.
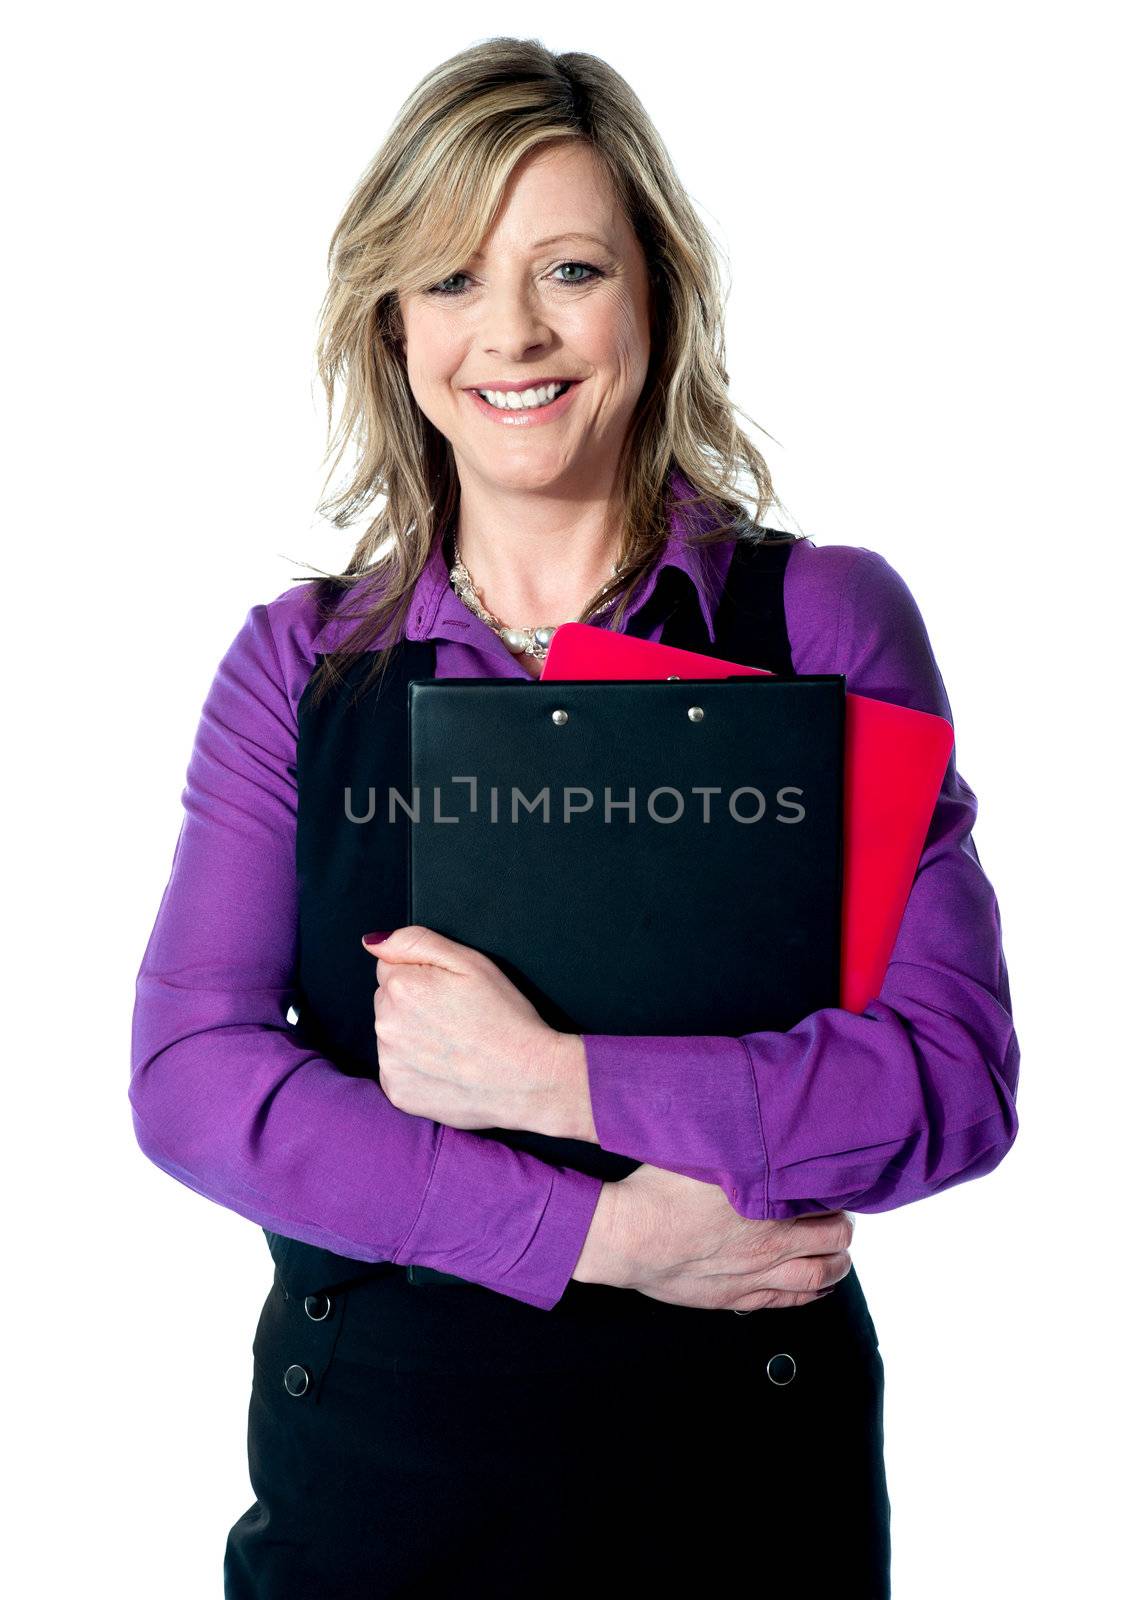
column 867, row 1112
column 227, row 1098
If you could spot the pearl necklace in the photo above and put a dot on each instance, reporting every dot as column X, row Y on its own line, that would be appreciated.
column 520, row 641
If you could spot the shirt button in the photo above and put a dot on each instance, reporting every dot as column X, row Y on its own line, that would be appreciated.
column 317, row 1307
column 781, row 1369
column 296, row 1380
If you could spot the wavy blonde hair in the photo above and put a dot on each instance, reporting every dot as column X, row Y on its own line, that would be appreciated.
column 427, row 201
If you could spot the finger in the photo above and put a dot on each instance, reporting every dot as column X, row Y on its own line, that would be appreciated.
column 814, row 1234
column 805, row 1237
column 805, row 1274
column 425, row 946
column 765, row 1302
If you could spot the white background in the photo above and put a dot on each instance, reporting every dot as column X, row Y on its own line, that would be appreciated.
column 928, row 212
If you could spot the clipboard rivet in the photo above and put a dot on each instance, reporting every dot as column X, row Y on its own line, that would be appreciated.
column 558, row 717
column 695, row 713
column 674, row 677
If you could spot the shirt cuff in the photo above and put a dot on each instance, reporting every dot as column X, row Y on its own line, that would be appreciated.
column 502, row 1218
column 687, row 1103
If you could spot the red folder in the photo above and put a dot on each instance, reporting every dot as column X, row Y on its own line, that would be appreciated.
column 894, row 764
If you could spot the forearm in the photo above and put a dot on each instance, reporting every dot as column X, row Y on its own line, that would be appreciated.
column 827, row 1116
column 280, row 1136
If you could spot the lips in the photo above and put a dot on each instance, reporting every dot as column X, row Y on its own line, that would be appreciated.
column 517, row 386
column 524, row 416
column 507, row 404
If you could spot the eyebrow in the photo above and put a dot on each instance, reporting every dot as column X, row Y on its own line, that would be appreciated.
column 557, row 238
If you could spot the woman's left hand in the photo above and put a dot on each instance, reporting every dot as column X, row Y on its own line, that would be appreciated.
column 457, row 1041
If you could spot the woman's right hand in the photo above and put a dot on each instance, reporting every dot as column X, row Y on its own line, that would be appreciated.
column 677, row 1239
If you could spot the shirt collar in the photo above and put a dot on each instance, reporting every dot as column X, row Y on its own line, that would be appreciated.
column 437, row 612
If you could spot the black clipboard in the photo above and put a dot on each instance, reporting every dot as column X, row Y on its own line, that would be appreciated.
column 638, row 857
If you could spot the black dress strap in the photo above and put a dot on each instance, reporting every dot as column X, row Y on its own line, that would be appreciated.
column 749, row 624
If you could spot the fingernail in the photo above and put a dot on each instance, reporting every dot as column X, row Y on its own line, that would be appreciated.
column 376, row 938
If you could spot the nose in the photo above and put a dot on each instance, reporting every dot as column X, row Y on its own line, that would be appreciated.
column 513, row 323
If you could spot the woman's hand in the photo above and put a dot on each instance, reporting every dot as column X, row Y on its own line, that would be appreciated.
column 457, row 1042
column 679, row 1240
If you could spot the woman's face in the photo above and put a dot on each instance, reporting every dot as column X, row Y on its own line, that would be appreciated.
column 558, row 291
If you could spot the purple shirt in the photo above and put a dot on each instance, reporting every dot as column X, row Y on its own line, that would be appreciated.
column 860, row 1112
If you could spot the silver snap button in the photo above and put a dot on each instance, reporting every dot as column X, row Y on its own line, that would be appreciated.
column 317, row 1307
column 558, row 718
column 296, row 1380
column 695, row 713
column 781, row 1369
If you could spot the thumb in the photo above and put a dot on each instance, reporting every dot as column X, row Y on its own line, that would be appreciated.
column 421, row 946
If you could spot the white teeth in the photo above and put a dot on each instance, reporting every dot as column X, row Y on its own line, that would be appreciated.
column 514, row 399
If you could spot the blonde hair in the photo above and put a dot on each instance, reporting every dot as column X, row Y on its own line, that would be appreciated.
column 426, row 202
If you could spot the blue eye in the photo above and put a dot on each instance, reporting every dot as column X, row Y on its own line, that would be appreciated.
column 566, row 283
column 573, row 283
column 438, row 288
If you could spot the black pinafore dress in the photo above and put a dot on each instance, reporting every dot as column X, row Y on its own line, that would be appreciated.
column 412, row 1434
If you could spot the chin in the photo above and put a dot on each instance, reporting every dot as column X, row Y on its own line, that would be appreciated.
column 527, row 474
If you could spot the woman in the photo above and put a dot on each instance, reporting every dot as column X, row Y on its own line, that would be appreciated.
column 479, row 1372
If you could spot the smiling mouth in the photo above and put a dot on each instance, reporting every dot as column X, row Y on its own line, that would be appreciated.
column 526, row 399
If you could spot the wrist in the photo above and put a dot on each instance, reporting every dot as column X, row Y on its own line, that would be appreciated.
column 598, row 1261
column 572, row 1116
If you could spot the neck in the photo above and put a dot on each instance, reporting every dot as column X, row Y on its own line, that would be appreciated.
column 536, row 560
